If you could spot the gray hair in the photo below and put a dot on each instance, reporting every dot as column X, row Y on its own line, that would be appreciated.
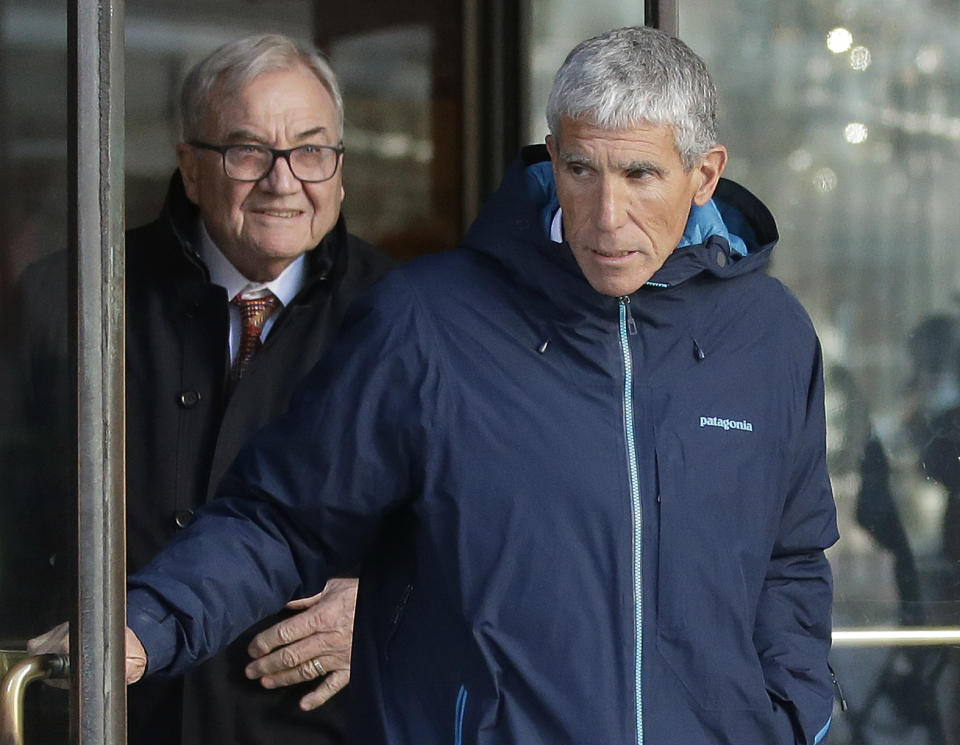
column 638, row 75
column 233, row 66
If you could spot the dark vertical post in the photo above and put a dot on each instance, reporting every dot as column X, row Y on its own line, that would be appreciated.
column 96, row 37
column 495, row 93
column 663, row 14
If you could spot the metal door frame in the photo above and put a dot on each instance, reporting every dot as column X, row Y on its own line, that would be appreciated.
column 95, row 39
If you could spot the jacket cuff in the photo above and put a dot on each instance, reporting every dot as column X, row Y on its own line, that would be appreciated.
column 154, row 626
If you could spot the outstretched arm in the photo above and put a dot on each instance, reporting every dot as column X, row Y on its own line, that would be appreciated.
column 57, row 641
column 305, row 499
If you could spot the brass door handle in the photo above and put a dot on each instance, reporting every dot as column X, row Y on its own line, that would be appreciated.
column 14, row 685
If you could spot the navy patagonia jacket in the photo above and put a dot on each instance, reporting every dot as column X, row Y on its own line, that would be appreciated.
column 583, row 519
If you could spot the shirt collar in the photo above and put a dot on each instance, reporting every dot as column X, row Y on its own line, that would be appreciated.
column 225, row 274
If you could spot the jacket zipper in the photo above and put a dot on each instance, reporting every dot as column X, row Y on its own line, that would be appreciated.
column 628, row 327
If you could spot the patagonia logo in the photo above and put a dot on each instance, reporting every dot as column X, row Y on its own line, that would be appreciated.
column 726, row 424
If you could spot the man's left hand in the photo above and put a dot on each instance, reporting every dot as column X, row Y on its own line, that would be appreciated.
column 313, row 644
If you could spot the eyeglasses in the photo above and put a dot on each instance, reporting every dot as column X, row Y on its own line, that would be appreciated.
column 309, row 163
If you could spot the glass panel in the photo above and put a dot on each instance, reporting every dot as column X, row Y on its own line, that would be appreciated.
column 36, row 409
column 556, row 27
column 402, row 126
column 844, row 117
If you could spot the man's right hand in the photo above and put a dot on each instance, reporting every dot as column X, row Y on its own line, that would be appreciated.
column 57, row 641
column 136, row 658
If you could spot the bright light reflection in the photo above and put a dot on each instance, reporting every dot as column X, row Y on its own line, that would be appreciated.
column 839, row 40
column 800, row 160
column 855, row 133
column 929, row 58
column 860, row 58
column 825, row 179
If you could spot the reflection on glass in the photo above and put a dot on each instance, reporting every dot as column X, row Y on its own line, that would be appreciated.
column 856, row 133
column 36, row 466
column 867, row 243
column 403, row 168
column 839, row 40
column 558, row 25
column 860, row 58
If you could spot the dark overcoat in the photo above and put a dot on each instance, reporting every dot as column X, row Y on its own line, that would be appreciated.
column 184, row 427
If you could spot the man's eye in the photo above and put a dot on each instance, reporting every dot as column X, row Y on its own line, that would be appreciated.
column 248, row 149
column 576, row 169
column 309, row 149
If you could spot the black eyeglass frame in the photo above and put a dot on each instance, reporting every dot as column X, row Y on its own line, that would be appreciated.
column 275, row 153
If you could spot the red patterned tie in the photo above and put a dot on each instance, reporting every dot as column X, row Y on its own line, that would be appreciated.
column 254, row 312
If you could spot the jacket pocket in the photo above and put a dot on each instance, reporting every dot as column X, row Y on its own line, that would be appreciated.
column 704, row 619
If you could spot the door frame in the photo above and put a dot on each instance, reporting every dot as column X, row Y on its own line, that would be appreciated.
column 95, row 40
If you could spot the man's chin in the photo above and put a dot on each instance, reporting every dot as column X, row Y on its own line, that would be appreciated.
column 617, row 284
column 615, row 290
column 265, row 263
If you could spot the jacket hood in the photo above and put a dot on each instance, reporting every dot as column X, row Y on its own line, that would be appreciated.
column 732, row 235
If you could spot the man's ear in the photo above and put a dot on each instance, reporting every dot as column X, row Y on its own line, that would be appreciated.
column 552, row 148
column 709, row 172
column 188, row 160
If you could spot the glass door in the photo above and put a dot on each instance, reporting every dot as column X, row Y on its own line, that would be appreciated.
column 61, row 415
column 844, row 117
column 37, row 408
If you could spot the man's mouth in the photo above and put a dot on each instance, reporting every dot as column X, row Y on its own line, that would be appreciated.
column 278, row 212
column 613, row 254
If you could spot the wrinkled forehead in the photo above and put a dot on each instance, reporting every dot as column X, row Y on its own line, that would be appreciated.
column 576, row 133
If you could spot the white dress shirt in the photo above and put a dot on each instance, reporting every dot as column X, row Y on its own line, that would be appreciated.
column 223, row 273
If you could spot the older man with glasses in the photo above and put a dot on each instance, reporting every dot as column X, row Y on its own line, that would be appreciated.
column 232, row 295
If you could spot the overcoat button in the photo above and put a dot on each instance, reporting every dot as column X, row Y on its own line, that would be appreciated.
column 189, row 399
column 183, row 518
column 721, row 258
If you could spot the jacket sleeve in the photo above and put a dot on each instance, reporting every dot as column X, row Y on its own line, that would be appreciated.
column 792, row 633
column 305, row 498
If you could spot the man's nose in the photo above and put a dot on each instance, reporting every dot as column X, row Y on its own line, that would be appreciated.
column 280, row 178
column 611, row 204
